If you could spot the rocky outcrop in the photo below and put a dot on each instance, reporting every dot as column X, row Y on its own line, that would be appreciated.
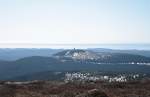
column 93, row 93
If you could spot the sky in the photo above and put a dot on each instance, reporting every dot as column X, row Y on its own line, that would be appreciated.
column 74, row 21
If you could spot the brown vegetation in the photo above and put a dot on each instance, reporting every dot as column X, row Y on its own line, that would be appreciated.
column 76, row 89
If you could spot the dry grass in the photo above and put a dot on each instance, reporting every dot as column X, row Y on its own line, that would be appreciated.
column 59, row 89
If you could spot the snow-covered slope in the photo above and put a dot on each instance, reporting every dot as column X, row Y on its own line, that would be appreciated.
column 78, row 54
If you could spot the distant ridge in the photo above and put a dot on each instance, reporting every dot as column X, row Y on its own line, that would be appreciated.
column 124, row 46
column 102, row 57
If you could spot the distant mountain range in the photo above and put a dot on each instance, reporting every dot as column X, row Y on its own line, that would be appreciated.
column 131, row 51
column 101, row 57
column 74, row 60
column 9, row 54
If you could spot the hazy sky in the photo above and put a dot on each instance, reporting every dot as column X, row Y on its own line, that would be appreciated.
column 75, row 21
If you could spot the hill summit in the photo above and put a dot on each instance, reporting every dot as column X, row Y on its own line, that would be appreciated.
column 77, row 54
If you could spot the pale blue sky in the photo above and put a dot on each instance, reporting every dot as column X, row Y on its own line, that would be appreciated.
column 75, row 21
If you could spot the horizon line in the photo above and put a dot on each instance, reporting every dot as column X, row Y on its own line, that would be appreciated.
column 119, row 46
